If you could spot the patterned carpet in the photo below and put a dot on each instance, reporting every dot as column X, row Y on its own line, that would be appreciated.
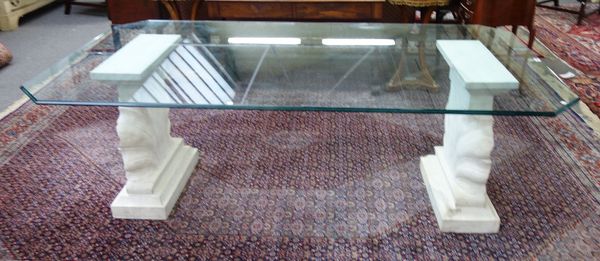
column 577, row 45
column 292, row 185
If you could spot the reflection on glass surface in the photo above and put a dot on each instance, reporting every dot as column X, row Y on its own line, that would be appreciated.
column 294, row 66
column 357, row 41
column 265, row 40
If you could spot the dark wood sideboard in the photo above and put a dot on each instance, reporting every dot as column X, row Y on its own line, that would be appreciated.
column 368, row 10
column 499, row 12
column 290, row 10
column 486, row 12
column 122, row 12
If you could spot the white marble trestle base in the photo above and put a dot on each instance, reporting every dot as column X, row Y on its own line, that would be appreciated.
column 157, row 165
column 456, row 175
column 468, row 219
column 159, row 203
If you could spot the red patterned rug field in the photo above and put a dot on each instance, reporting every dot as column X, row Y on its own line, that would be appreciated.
column 293, row 185
column 578, row 45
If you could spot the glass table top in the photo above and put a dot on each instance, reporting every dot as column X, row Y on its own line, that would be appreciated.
column 361, row 67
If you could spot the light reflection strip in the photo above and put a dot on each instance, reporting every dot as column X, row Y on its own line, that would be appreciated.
column 358, row 42
column 265, row 40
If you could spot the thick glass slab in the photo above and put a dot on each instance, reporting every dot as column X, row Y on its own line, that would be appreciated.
column 362, row 67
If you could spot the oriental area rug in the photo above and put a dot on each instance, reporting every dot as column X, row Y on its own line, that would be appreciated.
column 293, row 185
column 578, row 45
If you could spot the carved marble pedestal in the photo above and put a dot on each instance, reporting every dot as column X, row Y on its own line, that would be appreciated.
column 157, row 165
column 456, row 175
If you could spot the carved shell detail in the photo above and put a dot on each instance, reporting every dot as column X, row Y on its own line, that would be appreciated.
column 137, row 141
column 470, row 144
column 144, row 134
column 473, row 163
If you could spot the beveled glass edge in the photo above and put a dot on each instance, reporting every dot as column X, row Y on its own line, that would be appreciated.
column 47, row 75
column 305, row 108
column 34, row 85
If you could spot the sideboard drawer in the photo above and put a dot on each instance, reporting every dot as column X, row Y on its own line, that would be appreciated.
column 334, row 11
column 254, row 10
